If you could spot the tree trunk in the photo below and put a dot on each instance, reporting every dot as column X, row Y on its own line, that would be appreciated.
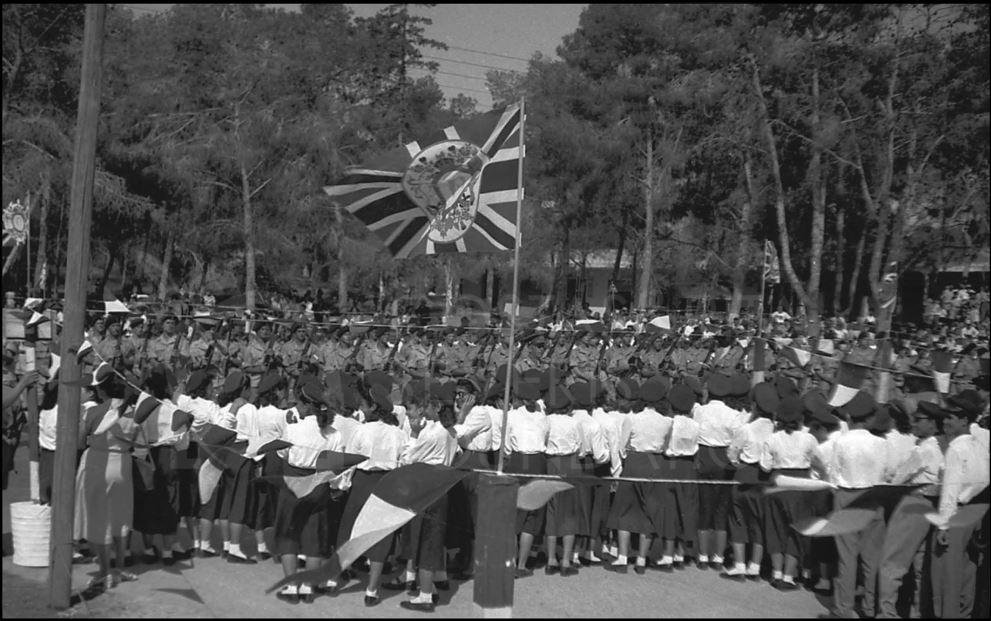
column 342, row 288
column 41, row 266
column 249, row 240
column 646, row 267
column 111, row 261
column 163, row 282
column 851, row 285
column 206, row 270
column 563, row 268
column 448, row 287
column 813, row 301
column 740, row 269
column 838, row 270
column 489, row 287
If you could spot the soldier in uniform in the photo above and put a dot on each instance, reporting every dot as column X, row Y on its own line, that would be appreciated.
column 110, row 347
column 653, row 357
column 584, row 359
column 164, row 348
column 295, row 352
column 696, row 355
column 450, row 356
column 375, row 352
column 531, row 354
column 498, row 354
column 730, row 353
column 205, row 351
column 134, row 347
column 414, row 357
column 257, row 354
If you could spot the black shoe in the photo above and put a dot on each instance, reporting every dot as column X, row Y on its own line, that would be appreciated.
column 733, row 577
column 618, row 569
column 371, row 600
column 128, row 561
column 206, row 553
column 240, row 560
column 399, row 585
column 264, row 556
column 307, row 598
column 168, row 561
column 524, row 573
column 640, row 569
column 587, row 562
column 149, row 559
column 676, row 565
column 325, row 590
column 717, row 565
column 551, row 570
column 464, row 575
column 443, row 585
column 569, row 571
column 669, row 568
column 781, row 585
column 408, row 605
column 289, row 598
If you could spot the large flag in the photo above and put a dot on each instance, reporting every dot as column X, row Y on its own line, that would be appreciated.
column 452, row 191
column 772, row 272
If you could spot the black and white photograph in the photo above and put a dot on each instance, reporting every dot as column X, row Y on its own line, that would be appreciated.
column 496, row 310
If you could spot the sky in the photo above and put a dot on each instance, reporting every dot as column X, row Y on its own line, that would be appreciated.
column 480, row 37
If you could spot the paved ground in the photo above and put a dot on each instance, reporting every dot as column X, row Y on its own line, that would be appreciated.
column 214, row 588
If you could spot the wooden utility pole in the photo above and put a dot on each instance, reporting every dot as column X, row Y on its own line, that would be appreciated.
column 76, row 284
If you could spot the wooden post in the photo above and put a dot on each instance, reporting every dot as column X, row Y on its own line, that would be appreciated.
column 495, row 546
column 884, row 380
column 76, row 284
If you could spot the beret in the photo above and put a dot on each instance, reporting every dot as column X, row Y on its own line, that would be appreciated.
column 785, row 386
column 628, row 389
column 535, row 376
column 932, row 410
column 882, row 422
column 825, row 417
column 496, row 391
column 766, row 397
column 719, row 385
column 313, row 392
column 860, row 407
column 653, row 391
column 969, row 401
column 470, row 381
column 581, row 393
column 526, row 390
column 681, row 398
column 378, row 377
column 790, row 410
column 557, row 397
column 693, row 383
column 197, row 380
column 739, row 385
column 234, row 381
column 380, row 395
column 816, row 403
column 269, row 382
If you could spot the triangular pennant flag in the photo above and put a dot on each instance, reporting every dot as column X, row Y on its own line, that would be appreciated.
column 115, row 306
column 659, row 324
column 590, row 325
column 396, row 499
column 942, row 366
column 784, row 483
column 964, row 517
column 35, row 320
column 335, row 461
column 798, row 357
column 535, row 494
column 56, row 364
column 32, row 304
column 84, row 348
column 840, row 522
column 209, row 477
column 849, row 379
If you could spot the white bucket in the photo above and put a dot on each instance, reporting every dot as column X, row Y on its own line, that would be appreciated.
column 31, row 526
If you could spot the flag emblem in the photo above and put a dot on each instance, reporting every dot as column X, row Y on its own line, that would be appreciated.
column 457, row 194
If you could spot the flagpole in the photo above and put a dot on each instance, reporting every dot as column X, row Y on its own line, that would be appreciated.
column 760, row 305
column 516, row 286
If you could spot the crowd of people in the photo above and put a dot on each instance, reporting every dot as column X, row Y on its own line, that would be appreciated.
column 716, row 406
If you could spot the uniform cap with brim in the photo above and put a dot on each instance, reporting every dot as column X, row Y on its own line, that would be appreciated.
column 269, row 382
column 766, row 397
column 471, row 382
column 739, row 385
column 653, row 391
column 526, row 391
column 860, row 407
column 719, row 385
column 970, row 401
column 681, row 398
column 628, row 389
column 581, row 393
column 790, row 410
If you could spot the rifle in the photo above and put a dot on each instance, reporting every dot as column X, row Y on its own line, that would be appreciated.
column 227, row 350
column 482, row 344
column 350, row 360
column 392, row 352
column 708, row 357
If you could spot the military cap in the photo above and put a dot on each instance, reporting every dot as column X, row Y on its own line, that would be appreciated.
column 581, row 394
column 558, row 398
column 790, row 410
column 739, row 384
column 270, row 381
column 653, row 391
column 197, row 380
column 628, row 389
column 969, row 401
column 860, row 407
column 766, row 397
column 681, row 398
column 719, row 385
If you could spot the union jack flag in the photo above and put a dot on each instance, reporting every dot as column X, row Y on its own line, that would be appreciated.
column 453, row 191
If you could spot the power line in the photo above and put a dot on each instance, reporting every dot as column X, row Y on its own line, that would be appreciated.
column 465, row 62
column 139, row 8
column 464, row 88
column 453, row 75
column 465, row 49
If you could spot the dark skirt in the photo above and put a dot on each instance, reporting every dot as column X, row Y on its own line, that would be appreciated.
column 595, row 498
column 46, row 475
column 155, row 508
column 665, row 517
column 636, row 503
column 423, row 537
column 714, row 500
column 239, row 497
column 266, row 493
column 783, row 510
column 565, row 513
column 362, row 484
column 187, row 491
column 304, row 525
column 686, row 496
column 746, row 519
column 531, row 522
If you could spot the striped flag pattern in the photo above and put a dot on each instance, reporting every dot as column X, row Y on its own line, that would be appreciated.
column 942, row 366
column 849, row 378
column 454, row 191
